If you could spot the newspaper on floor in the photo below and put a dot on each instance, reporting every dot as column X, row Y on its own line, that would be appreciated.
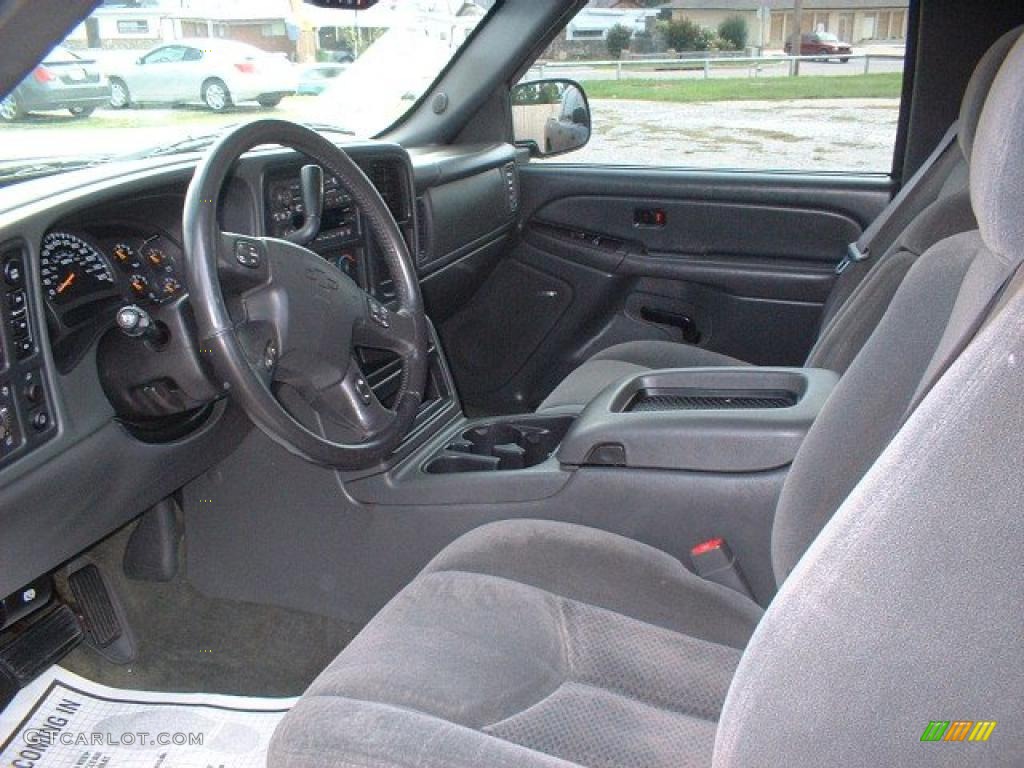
column 65, row 721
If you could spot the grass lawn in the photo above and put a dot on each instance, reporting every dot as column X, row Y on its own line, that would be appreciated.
column 887, row 85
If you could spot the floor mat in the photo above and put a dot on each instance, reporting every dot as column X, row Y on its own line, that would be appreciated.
column 62, row 720
column 190, row 642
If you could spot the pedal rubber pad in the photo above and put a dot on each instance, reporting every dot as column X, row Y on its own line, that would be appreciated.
column 43, row 642
column 94, row 605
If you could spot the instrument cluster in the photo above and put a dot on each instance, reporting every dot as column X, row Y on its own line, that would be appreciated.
column 110, row 265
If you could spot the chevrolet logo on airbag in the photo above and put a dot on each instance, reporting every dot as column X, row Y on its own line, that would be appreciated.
column 321, row 278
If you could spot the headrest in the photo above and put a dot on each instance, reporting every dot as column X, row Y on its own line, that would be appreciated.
column 979, row 87
column 997, row 163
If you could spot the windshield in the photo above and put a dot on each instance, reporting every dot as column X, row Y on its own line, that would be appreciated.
column 147, row 77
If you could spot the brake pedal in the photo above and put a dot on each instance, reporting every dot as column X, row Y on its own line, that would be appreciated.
column 30, row 652
column 103, row 618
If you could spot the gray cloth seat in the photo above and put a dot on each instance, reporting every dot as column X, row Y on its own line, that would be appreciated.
column 938, row 209
column 528, row 643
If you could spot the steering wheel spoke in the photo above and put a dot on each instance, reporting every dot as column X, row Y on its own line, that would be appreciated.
column 242, row 262
column 383, row 328
column 259, row 342
column 351, row 403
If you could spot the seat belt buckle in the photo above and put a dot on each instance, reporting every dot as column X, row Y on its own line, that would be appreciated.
column 853, row 255
column 714, row 561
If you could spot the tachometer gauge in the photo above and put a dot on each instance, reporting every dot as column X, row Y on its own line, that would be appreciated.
column 71, row 269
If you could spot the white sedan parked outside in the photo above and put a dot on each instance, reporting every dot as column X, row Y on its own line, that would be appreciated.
column 214, row 72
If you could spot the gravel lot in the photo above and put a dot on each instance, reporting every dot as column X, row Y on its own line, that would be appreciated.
column 840, row 135
column 822, row 135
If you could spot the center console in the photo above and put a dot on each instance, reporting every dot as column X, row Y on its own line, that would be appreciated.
column 722, row 421
column 692, row 420
column 501, row 445
column 700, row 420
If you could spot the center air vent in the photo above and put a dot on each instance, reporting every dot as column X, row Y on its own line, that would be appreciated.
column 386, row 177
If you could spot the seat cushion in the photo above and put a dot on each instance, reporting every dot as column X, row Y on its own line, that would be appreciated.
column 530, row 643
column 623, row 360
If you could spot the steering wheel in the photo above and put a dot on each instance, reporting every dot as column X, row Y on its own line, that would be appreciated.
column 268, row 312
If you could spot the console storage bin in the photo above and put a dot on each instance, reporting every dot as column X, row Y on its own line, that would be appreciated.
column 700, row 419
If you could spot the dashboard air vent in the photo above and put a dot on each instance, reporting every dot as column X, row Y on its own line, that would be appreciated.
column 422, row 232
column 386, row 177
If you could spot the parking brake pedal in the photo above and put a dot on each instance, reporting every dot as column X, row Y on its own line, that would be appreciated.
column 30, row 652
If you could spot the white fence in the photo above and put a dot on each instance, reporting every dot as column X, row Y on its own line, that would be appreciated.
column 753, row 65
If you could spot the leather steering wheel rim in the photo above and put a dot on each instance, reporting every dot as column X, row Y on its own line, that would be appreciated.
column 275, row 323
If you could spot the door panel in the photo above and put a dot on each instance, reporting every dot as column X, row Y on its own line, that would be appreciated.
column 739, row 263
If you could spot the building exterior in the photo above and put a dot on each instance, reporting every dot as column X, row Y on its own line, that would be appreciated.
column 287, row 26
column 142, row 24
column 594, row 23
column 770, row 22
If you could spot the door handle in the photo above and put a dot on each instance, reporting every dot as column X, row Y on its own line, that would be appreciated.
column 685, row 323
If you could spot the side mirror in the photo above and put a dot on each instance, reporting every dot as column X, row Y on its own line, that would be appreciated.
column 140, row 61
column 550, row 117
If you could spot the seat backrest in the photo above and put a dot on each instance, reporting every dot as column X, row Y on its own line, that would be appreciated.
column 943, row 294
column 909, row 607
column 937, row 209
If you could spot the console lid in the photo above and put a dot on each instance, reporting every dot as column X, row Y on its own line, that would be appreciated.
column 700, row 419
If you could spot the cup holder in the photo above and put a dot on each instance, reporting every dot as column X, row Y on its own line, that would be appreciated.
column 501, row 445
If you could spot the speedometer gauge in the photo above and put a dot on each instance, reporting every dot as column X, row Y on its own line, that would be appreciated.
column 72, row 270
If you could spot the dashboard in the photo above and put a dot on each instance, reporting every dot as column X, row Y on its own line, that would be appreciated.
column 96, row 427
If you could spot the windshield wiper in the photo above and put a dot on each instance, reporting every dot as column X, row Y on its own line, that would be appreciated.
column 328, row 128
column 11, row 172
column 181, row 146
column 203, row 141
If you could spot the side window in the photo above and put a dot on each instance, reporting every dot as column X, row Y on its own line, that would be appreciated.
column 706, row 84
column 167, row 55
column 192, row 54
